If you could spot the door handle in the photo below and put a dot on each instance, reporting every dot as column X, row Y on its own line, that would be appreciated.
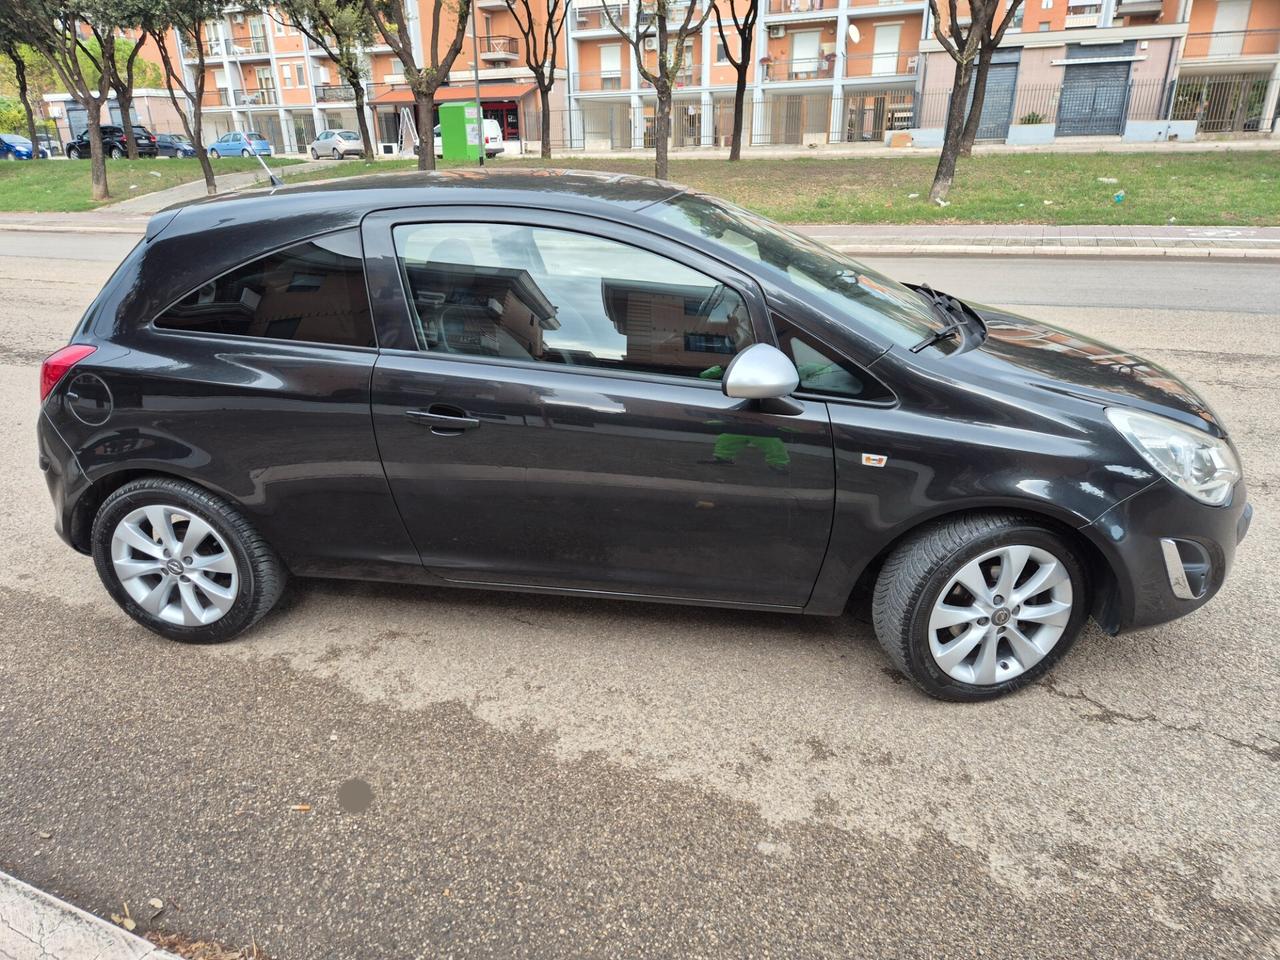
column 444, row 421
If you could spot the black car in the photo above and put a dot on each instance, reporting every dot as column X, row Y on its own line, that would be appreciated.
column 614, row 387
column 113, row 143
column 174, row 145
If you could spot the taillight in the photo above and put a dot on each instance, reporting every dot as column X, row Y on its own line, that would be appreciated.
column 153, row 139
column 55, row 367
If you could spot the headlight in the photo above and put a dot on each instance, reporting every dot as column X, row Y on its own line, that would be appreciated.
column 1195, row 462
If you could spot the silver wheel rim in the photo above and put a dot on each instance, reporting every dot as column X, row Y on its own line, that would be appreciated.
column 174, row 565
column 1000, row 615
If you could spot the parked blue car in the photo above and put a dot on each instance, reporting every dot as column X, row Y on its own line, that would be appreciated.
column 174, row 145
column 244, row 144
column 14, row 147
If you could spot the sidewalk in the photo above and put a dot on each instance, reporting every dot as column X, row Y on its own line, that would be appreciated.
column 37, row 926
column 872, row 240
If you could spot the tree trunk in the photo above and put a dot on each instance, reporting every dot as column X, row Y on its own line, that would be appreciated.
column 426, row 114
column 365, row 136
column 97, row 156
column 544, row 95
column 955, row 128
column 979, row 84
column 24, row 95
column 739, row 103
column 662, row 131
column 124, row 97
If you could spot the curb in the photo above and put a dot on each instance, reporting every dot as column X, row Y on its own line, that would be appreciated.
column 37, row 926
column 71, row 228
column 1058, row 252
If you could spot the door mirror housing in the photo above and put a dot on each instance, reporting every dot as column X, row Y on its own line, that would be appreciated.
column 760, row 372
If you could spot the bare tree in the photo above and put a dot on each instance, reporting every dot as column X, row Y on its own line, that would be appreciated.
column 12, row 36
column 962, row 43
column 424, row 80
column 56, row 33
column 541, row 48
column 652, row 19
column 120, row 75
column 187, row 19
column 745, row 29
column 341, row 28
column 987, row 49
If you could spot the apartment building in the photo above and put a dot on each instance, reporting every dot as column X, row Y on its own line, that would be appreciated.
column 821, row 71
column 1141, row 69
column 263, row 73
column 844, row 71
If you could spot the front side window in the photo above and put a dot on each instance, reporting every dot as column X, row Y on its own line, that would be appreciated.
column 312, row 292
column 556, row 296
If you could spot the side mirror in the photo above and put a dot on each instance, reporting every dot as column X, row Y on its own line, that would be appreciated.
column 760, row 372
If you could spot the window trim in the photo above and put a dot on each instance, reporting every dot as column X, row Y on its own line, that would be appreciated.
column 892, row 400
column 152, row 327
column 382, row 262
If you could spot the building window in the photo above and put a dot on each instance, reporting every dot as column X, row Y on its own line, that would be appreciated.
column 1044, row 27
column 555, row 296
column 299, row 75
column 280, row 31
column 722, row 53
column 312, row 292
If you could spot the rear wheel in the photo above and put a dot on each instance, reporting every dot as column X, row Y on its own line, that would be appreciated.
column 977, row 606
column 337, row 154
column 117, row 153
column 245, row 153
column 214, row 154
column 182, row 562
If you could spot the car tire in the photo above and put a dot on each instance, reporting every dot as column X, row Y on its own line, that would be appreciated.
column 244, row 153
column 73, row 154
column 215, row 154
column 955, row 644
column 314, row 154
column 337, row 154
column 117, row 153
column 239, row 580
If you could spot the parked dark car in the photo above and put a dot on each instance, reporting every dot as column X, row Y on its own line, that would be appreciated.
column 14, row 146
column 614, row 387
column 113, row 143
column 174, row 145
column 50, row 146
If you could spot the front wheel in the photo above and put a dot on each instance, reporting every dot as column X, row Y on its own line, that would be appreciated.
column 182, row 562
column 73, row 154
column 977, row 606
column 314, row 154
column 215, row 154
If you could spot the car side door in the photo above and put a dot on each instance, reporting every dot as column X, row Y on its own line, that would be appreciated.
column 548, row 407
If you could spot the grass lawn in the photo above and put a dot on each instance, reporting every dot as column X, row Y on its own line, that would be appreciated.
column 1241, row 188
column 63, row 185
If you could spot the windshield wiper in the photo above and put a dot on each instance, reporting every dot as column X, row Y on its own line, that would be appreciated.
column 954, row 319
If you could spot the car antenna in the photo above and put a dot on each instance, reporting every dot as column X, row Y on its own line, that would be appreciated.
column 275, row 180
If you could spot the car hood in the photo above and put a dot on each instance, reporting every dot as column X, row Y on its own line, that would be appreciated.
column 1057, row 360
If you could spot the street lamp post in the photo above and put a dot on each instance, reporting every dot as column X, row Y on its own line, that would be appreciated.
column 475, row 73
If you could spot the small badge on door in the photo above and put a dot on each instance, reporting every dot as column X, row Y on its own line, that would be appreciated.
column 874, row 460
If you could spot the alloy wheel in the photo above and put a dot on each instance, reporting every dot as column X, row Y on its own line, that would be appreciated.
column 174, row 565
column 1000, row 614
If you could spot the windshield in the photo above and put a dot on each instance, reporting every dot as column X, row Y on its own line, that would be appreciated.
column 15, row 141
column 854, row 293
column 255, row 136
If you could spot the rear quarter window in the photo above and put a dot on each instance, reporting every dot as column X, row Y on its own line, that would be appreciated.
column 311, row 292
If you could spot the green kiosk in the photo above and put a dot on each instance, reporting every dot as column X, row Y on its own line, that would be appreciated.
column 460, row 131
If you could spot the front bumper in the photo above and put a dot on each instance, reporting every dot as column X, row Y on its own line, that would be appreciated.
column 1170, row 554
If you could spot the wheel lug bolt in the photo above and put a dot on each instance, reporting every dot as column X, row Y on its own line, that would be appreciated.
column 186, row 559
column 185, row 579
column 983, row 621
column 999, row 600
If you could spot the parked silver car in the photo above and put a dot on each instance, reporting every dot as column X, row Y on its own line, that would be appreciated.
column 337, row 144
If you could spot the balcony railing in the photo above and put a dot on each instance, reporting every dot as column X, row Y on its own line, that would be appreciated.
column 493, row 47
column 1232, row 43
column 810, row 68
column 262, row 97
column 898, row 63
column 216, row 98
column 801, row 6
column 335, row 93
column 592, row 18
column 687, row 77
column 247, row 46
column 598, row 80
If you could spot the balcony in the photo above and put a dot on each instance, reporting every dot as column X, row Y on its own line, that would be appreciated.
column 593, row 82
column 262, row 97
column 1139, row 8
column 1232, row 44
column 811, row 68
column 335, row 93
column 593, row 18
column 900, row 63
column 498, row 49
column 491, row 4
column 216, row 98
column 687, row 77
column 247, row 47
column 802, row 6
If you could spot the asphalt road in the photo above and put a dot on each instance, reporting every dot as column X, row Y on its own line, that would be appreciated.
column 557, row 777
